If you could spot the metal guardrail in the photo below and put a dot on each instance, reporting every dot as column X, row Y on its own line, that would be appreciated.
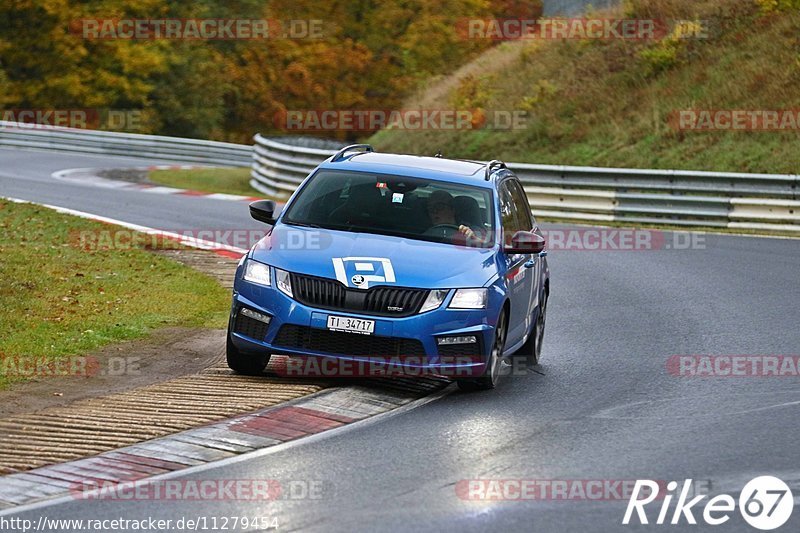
column 594, row 194
column 278, row 168
column 580, row 194
column 172, row 149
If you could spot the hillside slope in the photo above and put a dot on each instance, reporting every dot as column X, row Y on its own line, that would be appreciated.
column 610, row 103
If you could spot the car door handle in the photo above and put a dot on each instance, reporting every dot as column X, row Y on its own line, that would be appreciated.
column 543, row 253
column 531, row 263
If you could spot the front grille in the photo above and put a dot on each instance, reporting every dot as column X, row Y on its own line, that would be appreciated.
column 340, row 343
column 383, row 301
column 250, row 327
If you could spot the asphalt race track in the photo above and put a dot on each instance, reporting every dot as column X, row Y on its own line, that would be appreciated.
column 27, row 175
column 605, row 408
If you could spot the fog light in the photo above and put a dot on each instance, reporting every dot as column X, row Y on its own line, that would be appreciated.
column 445, row 341
column 255, row 315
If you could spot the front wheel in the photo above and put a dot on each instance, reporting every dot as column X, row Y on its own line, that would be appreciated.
column 532, row 349
column 493, row 362
column 244, row 363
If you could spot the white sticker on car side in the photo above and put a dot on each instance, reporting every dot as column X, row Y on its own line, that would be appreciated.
column 359, row 272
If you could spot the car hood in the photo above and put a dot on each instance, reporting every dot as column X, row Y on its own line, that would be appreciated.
column 363, row 260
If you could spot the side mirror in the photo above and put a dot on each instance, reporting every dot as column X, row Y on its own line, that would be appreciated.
column 525, row 242
column 263, row 211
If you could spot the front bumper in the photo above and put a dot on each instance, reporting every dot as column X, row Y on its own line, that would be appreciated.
column 409, row 343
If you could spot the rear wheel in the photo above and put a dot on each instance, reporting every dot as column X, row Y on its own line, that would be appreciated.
column 244, row 363
column 532, row 349
column 493, row 363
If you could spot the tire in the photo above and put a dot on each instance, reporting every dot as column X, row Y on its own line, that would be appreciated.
column 492, row 373
column 532, row 349
column 245, row 363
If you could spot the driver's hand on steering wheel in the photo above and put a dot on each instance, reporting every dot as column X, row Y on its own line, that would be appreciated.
column 466, row 231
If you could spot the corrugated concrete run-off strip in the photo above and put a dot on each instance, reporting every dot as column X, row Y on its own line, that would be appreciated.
column 95, row 425
column 189, row 402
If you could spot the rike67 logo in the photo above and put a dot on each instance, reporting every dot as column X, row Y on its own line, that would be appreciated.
column 766, row 503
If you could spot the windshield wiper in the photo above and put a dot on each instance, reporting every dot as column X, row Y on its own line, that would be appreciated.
column 303, row 224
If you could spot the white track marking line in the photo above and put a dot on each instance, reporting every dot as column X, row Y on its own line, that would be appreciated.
column 192, row 242
column 88, row 176
column 224, row 196
column 161, row 190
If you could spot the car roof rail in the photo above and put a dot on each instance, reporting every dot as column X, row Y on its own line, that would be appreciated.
column 341, row 153
column 492, row 165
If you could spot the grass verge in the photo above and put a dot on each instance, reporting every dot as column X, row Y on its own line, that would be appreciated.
column 59, row 299
column 222, row 180
column 614, row 103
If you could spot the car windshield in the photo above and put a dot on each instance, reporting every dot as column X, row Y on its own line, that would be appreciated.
column 413, row 208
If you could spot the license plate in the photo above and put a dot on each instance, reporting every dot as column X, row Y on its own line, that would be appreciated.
column 351, row 325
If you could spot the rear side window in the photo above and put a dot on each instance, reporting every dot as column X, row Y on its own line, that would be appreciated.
column 507, row 209
column 515, row 210
column 508, row 213
column 523, row 208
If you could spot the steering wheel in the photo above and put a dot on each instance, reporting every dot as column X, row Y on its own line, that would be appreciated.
column 445, row 230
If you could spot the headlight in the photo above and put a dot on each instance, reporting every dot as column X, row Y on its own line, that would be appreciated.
column 283, row 282
column 434, row 300
column 469, row 299
column 256, row 272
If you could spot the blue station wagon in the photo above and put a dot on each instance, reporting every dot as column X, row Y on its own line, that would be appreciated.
column 429, row 264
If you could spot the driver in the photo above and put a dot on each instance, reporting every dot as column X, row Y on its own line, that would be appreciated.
column 441, row 212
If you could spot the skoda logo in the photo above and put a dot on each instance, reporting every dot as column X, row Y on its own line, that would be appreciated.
column 357, row 280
